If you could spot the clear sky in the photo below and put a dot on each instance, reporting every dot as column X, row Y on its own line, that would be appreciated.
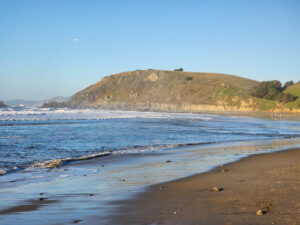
column 57, row 47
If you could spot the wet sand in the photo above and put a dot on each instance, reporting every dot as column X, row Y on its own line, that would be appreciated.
column 29, row 205
column 269, row 182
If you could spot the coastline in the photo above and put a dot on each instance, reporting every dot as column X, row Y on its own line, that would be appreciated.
column 245, row 110
column 268, row 181
column 115, row 178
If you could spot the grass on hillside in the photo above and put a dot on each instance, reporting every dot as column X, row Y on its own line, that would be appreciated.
column 264, row 104
column 294, row 105
column 293, row 90
column 296, row 92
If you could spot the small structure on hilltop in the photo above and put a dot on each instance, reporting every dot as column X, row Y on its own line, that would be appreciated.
column 179, row 69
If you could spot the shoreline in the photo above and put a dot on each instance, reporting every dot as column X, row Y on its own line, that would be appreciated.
column 123, row 172
column 277, row 113
column 192, row 108
column 266, row 181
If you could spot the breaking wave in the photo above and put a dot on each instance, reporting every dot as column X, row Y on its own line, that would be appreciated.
column 40, row 114
column 59, row 162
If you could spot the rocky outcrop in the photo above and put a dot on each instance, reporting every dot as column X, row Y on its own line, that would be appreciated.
column 133, row 95
column 54, row 104
column 153, row 77
column 2, row 104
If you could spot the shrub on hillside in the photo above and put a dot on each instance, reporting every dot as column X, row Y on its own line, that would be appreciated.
column 272, row 90
column 288, row 98
column 287, row 84
column 179, row 69
column 187, row 78
column 267, row 89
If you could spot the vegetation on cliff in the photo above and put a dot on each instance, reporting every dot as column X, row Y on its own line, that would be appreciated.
column 273, row 90
column 295, row 91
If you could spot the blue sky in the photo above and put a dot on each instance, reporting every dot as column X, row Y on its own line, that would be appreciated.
column 57, row 47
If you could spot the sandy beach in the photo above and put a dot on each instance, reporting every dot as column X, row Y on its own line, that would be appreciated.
column 268, row 182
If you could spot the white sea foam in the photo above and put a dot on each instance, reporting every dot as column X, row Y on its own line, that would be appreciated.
column 38, row 114
column 141, row 149
column 59, row 162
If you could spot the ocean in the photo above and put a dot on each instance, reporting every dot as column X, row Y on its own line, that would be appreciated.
column 115, row 154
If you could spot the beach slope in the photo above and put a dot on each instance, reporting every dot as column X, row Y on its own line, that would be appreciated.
column 267, row 184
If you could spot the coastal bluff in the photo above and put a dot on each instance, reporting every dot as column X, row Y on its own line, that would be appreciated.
column 173, row 91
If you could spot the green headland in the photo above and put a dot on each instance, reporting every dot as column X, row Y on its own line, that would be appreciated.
column 179, row 91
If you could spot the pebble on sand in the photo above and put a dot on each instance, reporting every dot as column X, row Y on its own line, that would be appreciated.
column 224, row 170
column 216, row 189
column 261, row 212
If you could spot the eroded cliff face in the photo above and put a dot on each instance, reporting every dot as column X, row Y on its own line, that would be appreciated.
column 163, row 107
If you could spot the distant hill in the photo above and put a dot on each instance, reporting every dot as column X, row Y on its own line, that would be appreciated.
column 18, row 102
column 35, row 103
column 173, row 91
column 57, row 99
column 2, row 104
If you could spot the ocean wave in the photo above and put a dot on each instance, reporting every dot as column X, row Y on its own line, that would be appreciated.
column 59, row 162
column 2, row 172
column 38, row 114
column 8, row 171
column 52, row 163
column 151, row 148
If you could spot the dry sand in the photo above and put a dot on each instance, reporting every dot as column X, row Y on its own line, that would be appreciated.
column 268, row 182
